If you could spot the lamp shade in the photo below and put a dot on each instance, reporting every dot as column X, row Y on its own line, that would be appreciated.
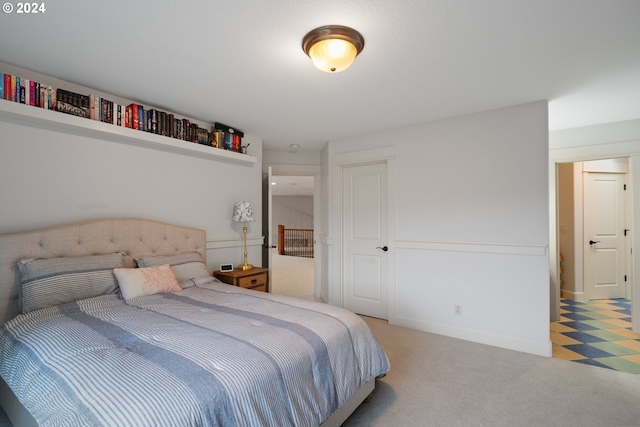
column 333, row 56
column 333, row 48
column 243, row 212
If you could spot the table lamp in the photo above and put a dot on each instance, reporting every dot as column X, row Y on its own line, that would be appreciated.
column 243, row 212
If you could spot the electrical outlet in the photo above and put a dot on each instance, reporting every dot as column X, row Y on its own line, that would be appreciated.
column 457, row 309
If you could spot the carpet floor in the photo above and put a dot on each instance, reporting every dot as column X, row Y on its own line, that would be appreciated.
column 441, row 381
column 292, row 276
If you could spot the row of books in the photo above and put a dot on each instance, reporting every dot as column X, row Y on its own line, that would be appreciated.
column 133, row 116
column 27, row 92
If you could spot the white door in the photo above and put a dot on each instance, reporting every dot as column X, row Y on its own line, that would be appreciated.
column 365, row 252
column 604, row 225
column 267, row 246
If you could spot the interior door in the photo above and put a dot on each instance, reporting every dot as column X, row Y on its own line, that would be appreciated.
column 365, row 251
column 267, row 247
column 604, row 228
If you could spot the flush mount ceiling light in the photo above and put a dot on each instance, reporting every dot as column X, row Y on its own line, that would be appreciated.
column 333, row 48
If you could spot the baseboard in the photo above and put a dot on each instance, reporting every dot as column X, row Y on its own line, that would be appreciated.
column 573, row 296
column 509, row 343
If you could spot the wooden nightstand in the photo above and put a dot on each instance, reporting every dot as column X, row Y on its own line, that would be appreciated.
column 257, row 278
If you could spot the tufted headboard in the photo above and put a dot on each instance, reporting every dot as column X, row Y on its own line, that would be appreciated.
column 135, row 237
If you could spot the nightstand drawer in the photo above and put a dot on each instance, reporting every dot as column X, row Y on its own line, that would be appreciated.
column 256, row 279
column 253, row 282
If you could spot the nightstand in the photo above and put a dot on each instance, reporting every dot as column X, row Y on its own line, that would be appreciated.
column 257, row 278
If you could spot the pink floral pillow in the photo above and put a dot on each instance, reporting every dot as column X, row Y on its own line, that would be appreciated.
column 138, row 282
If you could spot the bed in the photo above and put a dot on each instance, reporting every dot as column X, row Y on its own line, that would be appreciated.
column 75, row 349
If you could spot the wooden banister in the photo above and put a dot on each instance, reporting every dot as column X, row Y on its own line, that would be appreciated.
column 295, row 241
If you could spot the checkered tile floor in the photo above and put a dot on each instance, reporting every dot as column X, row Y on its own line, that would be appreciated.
column 597, row 333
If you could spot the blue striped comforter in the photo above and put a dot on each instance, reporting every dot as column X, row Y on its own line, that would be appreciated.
column 207, row 356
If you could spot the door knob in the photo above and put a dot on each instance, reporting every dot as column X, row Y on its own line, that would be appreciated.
column 384, row 248
column 593, row 242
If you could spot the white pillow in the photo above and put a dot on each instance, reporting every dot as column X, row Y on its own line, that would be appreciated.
column 138, row 282
column 186, row 267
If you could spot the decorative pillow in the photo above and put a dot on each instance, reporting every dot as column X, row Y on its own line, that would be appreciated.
column 51, row 281
column 186, row 267
column 139, row 282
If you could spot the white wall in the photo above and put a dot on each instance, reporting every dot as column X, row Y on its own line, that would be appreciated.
column 471, row 226
column 605, row 133
column 293, row 212
column 51, row 176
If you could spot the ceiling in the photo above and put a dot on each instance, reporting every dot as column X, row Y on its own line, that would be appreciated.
column 285, row 185
column 240, row 62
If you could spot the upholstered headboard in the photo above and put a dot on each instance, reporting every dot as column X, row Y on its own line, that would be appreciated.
column 135, row 237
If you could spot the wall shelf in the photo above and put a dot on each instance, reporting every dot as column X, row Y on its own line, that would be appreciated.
column 20, row 113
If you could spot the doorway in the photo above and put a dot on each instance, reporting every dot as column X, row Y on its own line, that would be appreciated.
column 594, row 240
column 292, row 205
column 594, row 256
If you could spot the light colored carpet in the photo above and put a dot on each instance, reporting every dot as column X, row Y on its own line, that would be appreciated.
column 440, row 381
column 292, row 276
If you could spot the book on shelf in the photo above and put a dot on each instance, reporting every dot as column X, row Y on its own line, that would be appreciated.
column 93, row 102
column 184, row 130
column 180, row 123
column 193, row 133
column 25, row 91
column 202, row 136
column 162, row 123
column 12, row 88
column 71, row 103
column 51, row 96
column 7, row 87
column 215, row 138
column 140, row 117
column 154, row 121
column 107, row 111
column 17, row 89
column 228, row 137
column 134, row 119
column 147, row 120
column 32, row 93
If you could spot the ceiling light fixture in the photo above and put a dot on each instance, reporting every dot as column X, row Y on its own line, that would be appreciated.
column 293, row 148
column 333, row 48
